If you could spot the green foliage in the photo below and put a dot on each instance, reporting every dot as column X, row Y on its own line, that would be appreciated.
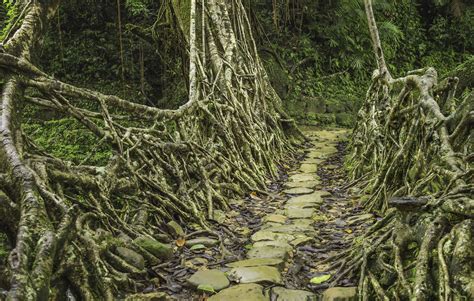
column 8, row 13
column 67, row 139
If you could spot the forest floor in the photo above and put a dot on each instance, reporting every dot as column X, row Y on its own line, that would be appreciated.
column 273, row 245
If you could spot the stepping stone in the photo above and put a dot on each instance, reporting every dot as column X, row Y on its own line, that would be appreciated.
column 340, row 294
column 131, row 257
column 208, row 242
column 312, row 161
column 275, row 218
column 269, row 225
column 268, row 252
column 302, row 184
column 256, row 262
column 301, row 240
column 302, row 222
column 247, row 292
column 284, row 294
column 291, row 229
column 256, row 274
column 303, row 177
column 273, row 243
column 359, row 218
column 298, row 190
column 214, row 278
column 308, row 168
column 300, row 213
column 267, row 235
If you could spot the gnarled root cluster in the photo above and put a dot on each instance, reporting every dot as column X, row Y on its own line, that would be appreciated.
column 69, row 223
column 411, row 151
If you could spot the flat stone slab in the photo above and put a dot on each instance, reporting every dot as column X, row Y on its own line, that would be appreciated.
column 300, row 213
column 340, row 294
column 268, row 235
column 292, row 229
column 256, row 262
column 308, row 168
column 273, row 243
column 302, row 222
column 298, row 190
column 214, row 278
column 301, row 240
column 275, row 218
column 247, row 292
column 256, row 274
column 303, row 177
column 303, row 184
column 284, row 294
column 208, row 242
column 268, row 252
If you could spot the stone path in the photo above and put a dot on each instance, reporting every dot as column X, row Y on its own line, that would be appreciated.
column 270, row 257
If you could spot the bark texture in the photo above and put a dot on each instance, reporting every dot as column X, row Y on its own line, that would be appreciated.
column 67, row 221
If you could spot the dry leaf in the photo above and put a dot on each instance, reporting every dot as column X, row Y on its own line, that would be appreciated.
column 180, row 242
column 348, row 231
column 254, row 196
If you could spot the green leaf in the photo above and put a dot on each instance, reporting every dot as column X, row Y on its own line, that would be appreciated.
column 198, row 247
column 320, row 279
column 206, row 288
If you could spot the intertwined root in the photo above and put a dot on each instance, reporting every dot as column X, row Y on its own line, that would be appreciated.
column 69, row 220
column 413, row 138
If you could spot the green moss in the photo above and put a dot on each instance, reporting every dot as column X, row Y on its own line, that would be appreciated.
column 158, row 249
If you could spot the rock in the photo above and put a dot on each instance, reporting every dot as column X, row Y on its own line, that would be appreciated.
column 284, row 294
column 256, row 274
column 175, row 229
column 213, row 278
column 268, row 252
column 314, row 197
column 340, row 294
column 255, row 262
column 247, row 292
column 273, row 243
column 206, row 241
column 298, row 190
column 300, row 213
column 131, row 257
column 155, row 296
column 268, row 235
column 275, row 218
column 292, row 229
column 302, row 184
column 156, row 248
column 308, row 168
column 302, row 222
column 219, row 216
column 359, row 218
column 303, row 177
column 301, row 240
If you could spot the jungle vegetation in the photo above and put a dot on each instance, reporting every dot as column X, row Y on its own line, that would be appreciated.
column 118, row 117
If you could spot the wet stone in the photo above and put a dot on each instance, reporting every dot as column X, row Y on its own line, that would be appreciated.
column 298, row 190
column 273, row 243
column 214, row 278
column 284, row 294
column 268, row 252
column 303, row 177
column 340, row 294
column 131, row 257
column 300, row 213
column 249, row 292
column 206, row 241
column 255, row 262
column 268, row 235
column 256, row 274
column 308, row 168
column 303, row 184
column 275, row 218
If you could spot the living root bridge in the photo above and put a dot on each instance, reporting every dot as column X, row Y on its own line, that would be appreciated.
column 68, row 220
column 411, row 155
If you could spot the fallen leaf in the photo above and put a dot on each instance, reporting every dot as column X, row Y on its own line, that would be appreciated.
column 198, row 247
column 180, row 242
column 206, row 288
column 348, row 231
column 320, row 279
column 254, row 196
